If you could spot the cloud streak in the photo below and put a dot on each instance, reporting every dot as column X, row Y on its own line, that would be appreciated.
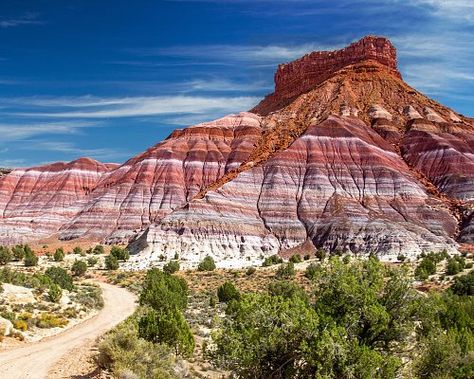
column 89, row 107
column 26, row 19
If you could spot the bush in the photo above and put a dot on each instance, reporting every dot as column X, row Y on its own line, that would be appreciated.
column 307, row 257
column 98, row 249
column 167, row 326
column 60, row 277
column 455, row 265
column 111, row 262
column 250, row 271
column 128, row 356
column 92, row 261
column 18, row 252
column 321, row 254
column 287, row 290
column 272, row 260
column 30, row 259
column 55, row 293
column 49, row 320
column 79, row 268
column 161, row 290
column 5, row 255
column 401, row 258
column 171, row 267
column 58, row 255
column 20, row 325
column 286, row 271
column 227, row 292
column 207, row 264
column 77, row 250
column 464, row 285
column 311, row 271
column 296, row 258
column 426, row 267
column 120, row 253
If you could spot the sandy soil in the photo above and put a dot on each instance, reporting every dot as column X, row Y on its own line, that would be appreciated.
column 38, row 360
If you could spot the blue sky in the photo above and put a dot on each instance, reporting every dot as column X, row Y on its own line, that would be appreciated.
column 108, row 79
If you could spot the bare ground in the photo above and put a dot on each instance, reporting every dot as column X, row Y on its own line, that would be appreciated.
column 63, row 355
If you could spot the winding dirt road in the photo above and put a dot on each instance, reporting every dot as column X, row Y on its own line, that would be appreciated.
column 33, row 361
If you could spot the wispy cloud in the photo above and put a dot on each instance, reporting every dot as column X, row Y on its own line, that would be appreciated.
column 16, row 132
column 26, row 19
column 452, row 9
column 235, row 53
column 90, row 107
column 71, row 149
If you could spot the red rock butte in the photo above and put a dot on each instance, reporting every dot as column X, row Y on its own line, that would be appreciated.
column 301, row 75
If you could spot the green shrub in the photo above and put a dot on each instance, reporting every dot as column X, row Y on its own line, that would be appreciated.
column 98, row 249
column 92, row 261
column 111, row 262
column 250, row 271
column 307, row 257
column 401, row 258
column 272, row 260
column 30, row 259
column 286, row 271
column 79, row 268
column 171, row 267
column 426, row 267
column 120, row 253
column 90, row 296
column 161, row 290
column 207, row 264
column 311, row 271
column 60, row 277
column 167, row 326
column 77, row 250
column 227, row 292
column 18, row 252
column 464, row 285
column 5, row 255
column 127, row 356
column 296, row 258
column 55, row 293
column 287, row 290
column 321, row 254
column 455, row 265
column 59, row 255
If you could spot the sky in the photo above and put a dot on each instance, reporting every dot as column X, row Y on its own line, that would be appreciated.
column 108, row 79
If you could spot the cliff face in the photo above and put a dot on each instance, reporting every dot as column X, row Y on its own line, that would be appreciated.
column 344, row 155
column 300, row 76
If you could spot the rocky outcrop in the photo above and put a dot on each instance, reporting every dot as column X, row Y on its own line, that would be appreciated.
column 304, row 74
column 166, row 176
column 36, row 202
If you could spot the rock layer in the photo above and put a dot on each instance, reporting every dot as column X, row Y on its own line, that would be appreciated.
column 36, row 202
column 166, row 176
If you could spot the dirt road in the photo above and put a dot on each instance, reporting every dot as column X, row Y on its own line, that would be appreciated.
column 35, row 360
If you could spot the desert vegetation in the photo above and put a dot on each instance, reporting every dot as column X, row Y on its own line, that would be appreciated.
column 43, row 290
column 338, row 317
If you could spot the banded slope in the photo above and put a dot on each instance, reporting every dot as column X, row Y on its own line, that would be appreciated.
column 36, row 202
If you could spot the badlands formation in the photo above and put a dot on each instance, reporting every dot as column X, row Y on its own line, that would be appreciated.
column 343, row 156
